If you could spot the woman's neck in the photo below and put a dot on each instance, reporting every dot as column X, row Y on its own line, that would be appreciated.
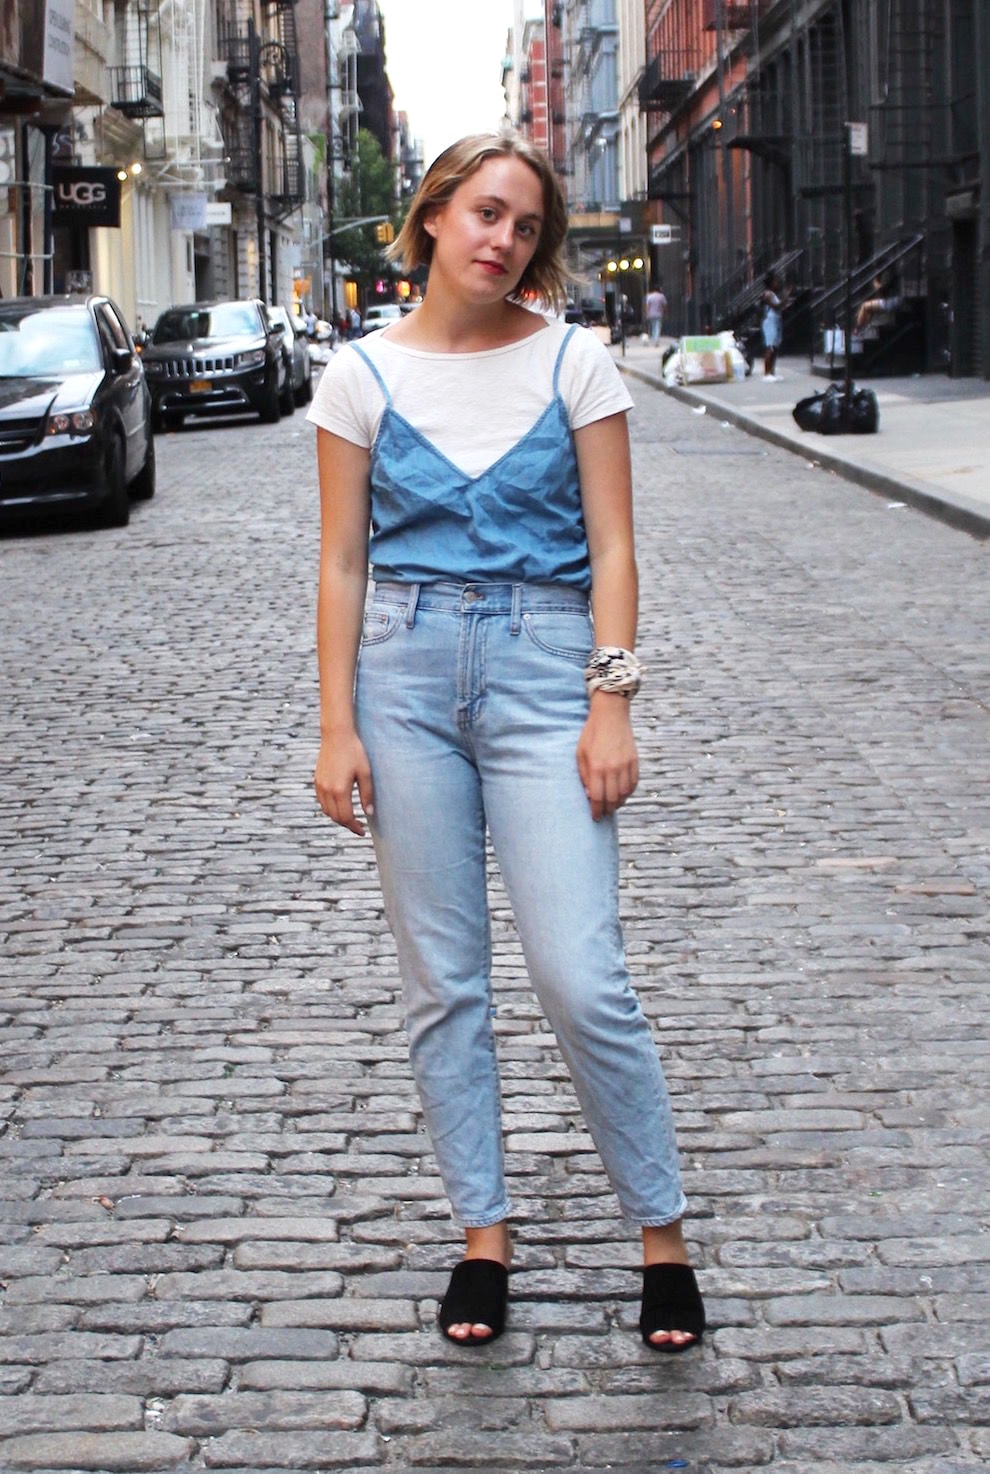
column 445, row 326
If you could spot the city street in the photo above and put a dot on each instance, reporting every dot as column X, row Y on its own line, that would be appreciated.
column 222, row 1236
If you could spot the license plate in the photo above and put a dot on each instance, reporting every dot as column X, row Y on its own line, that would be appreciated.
column 200, row 386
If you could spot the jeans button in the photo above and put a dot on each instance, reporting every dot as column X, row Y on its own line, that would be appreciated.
column 471, row 596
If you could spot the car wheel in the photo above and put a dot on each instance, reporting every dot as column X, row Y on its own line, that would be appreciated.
column 287, row 400
column 270, row 409
column 116, row 502
column 305, row 391
column 143, row 485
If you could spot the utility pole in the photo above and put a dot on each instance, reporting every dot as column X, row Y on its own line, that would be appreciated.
column 723, row 155
column 855, row 144
column 254, row 59
column 332, row 13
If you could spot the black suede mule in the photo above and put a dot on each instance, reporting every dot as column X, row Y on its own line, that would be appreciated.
column 477, row 1295
column 671, row 1302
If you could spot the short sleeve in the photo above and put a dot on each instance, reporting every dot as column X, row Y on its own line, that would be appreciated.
column 590, row 383
column 348, row 401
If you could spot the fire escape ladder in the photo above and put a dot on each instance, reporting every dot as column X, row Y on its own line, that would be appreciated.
column 136, row 83
column 826, row 107
column 906, row 123
column 284, row 92
column 238, row 121
column 668, row 80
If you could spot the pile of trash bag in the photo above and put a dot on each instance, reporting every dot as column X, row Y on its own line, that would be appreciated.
column 834, row 412
column 713, row 359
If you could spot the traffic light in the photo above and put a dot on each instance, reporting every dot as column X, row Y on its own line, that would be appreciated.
column 385, row 233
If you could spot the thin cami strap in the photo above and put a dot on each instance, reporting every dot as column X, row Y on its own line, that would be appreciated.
column 560, row 356
column 381, row 382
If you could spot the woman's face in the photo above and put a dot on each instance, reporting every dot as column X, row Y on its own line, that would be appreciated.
column 487, row 233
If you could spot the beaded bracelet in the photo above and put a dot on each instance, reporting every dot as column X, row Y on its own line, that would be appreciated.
column 610, row 668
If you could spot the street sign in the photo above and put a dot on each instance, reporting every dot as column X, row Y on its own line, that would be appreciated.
column 661, row 235
column 859, row 140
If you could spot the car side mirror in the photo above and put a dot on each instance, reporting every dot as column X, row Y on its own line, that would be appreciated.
column 120, row 360
column 276, row 329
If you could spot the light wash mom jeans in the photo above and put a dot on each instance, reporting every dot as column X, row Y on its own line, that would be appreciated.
column 470, row 702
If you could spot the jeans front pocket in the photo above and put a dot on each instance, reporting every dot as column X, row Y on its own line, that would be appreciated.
column 380, row 624
column 558, row 632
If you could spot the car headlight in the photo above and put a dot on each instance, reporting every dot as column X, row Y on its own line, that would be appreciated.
column 73, row 422
column 252, row 359
column 151, row 368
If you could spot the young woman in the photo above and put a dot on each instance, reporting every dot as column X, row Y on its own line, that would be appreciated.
column 772, row 323
column 488, row 451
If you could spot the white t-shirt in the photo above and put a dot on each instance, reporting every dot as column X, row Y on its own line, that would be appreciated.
column 473, row 407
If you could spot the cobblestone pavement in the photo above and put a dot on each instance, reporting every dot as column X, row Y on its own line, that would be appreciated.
column 221, row 1232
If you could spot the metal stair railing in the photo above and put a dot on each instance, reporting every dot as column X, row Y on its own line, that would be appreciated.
column 749, row 296
column 829, row 305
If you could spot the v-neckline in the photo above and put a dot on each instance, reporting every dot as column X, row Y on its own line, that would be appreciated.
column 390, row 412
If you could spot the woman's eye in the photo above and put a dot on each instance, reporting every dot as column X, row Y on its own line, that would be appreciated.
column 487, row 213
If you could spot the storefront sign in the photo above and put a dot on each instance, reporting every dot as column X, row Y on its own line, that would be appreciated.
column 187, row 211
column 219, row 213
column 85, row 196
column 36, row 40
column 57, row 65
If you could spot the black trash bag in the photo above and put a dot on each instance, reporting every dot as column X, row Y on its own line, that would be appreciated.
column 833, row 416
column 863, row 412
column 808, row 412
column 833, row 412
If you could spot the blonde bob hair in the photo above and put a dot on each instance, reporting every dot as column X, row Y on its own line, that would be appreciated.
column 546, row 275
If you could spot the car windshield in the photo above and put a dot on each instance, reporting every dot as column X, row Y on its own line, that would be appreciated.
column 47, row 342
column 227, row 320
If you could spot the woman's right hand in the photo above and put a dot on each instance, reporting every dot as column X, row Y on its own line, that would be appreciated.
column 342, row 762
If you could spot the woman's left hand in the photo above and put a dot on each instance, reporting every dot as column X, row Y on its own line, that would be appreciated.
column 606, row 754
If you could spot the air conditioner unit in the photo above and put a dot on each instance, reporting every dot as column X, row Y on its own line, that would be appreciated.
column 218, row 71
column 689, row 76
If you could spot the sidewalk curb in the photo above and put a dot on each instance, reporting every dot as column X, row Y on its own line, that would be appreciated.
column 959, row 512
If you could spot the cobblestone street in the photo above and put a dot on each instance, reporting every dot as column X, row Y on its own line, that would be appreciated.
column 222, row 1235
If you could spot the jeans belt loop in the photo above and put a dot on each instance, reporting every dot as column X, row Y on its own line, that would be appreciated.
column 515, row 624
column 412, row 604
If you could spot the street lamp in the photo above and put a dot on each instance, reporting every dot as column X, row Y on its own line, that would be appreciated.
column 618, row 269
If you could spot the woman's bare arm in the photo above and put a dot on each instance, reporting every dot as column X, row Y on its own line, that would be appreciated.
column 342, row 763
column 606, row 752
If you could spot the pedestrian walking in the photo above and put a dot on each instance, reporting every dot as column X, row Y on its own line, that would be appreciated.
column 772, row 322
column 656, row 306
column 487, row 448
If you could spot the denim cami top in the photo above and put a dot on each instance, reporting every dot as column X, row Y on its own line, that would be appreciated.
column 520, row 521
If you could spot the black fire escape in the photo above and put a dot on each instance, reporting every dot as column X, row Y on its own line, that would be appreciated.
column 136, row 82
column 263, row 90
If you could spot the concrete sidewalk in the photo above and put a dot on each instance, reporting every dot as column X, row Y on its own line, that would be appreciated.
column 932, row 449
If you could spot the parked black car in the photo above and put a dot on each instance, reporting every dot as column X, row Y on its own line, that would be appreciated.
column 295, row 350
column 75, row 412
column 214, row 358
